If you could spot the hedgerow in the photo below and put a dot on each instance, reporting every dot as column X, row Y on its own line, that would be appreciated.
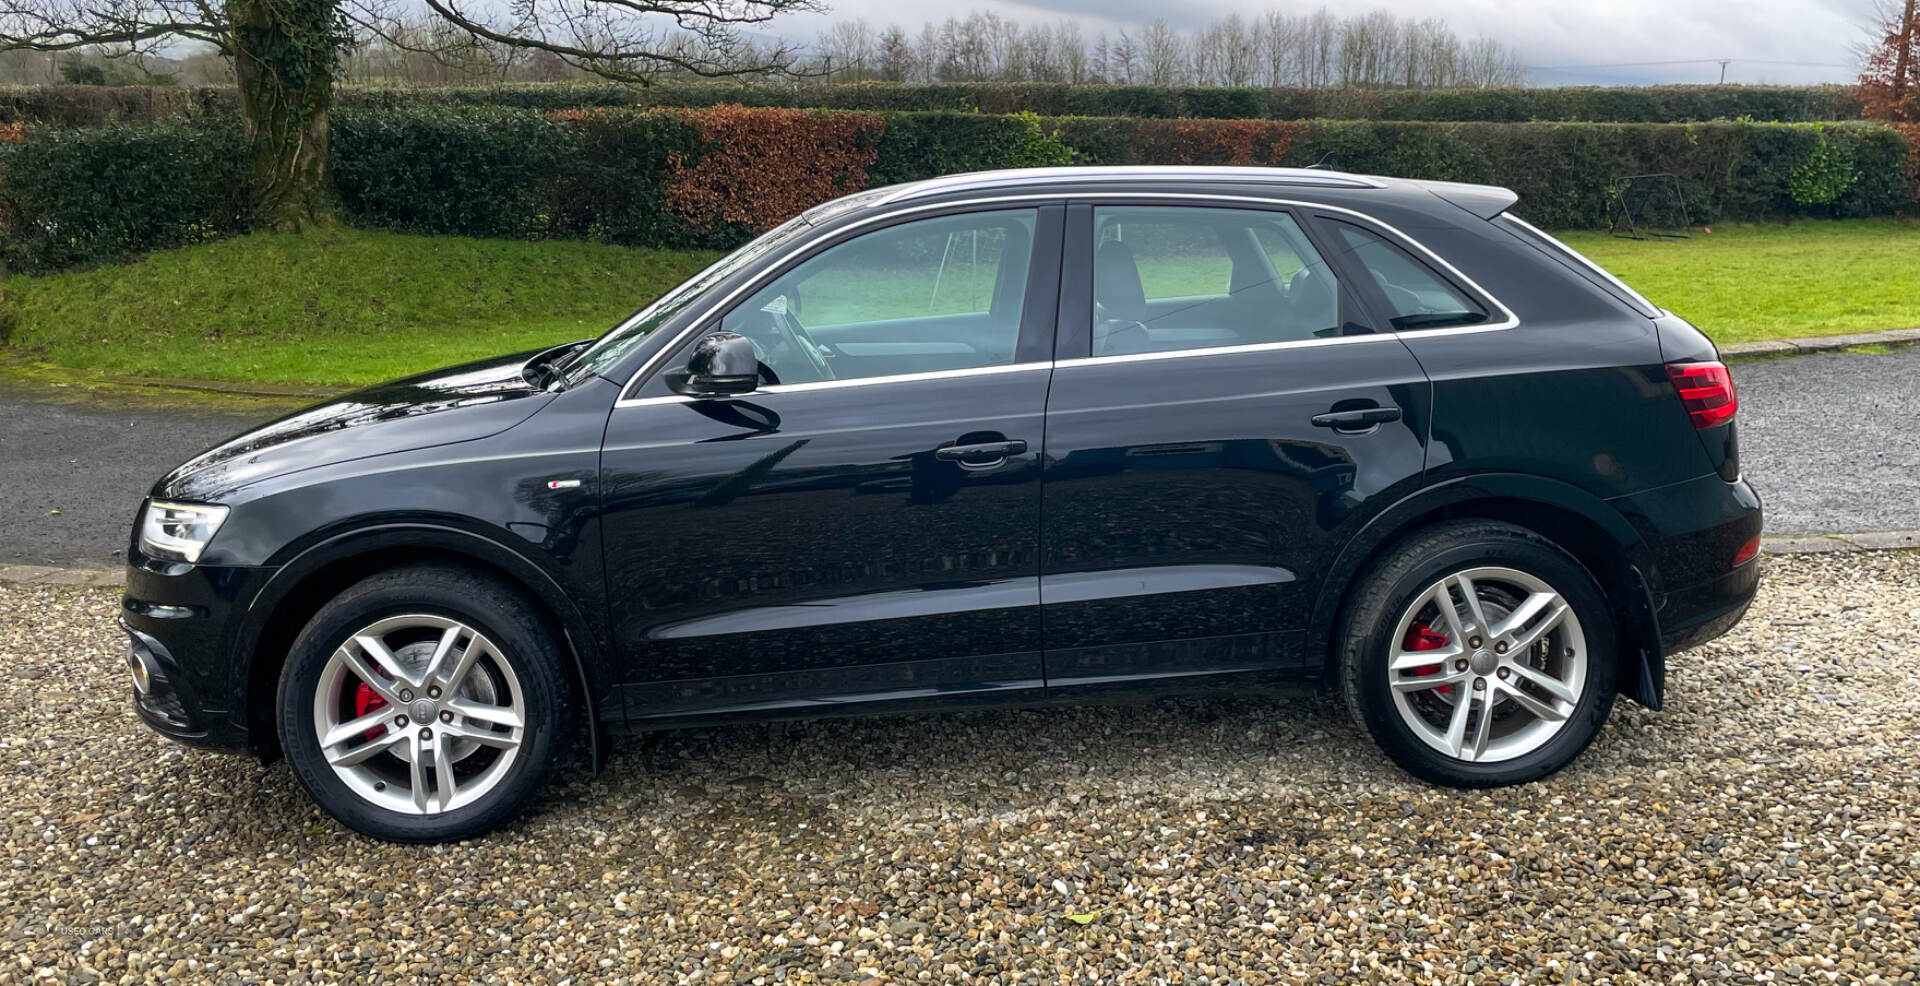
column 70, row 197
column 713, row 177
column 86, row 105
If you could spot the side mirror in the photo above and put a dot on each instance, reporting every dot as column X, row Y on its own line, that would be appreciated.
column 723, row 364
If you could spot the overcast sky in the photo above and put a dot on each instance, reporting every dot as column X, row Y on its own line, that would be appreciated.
column 1548, row 33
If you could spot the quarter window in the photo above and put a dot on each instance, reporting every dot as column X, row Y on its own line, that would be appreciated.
column 934, row 294
column 1172, row 278
column 1416, row 297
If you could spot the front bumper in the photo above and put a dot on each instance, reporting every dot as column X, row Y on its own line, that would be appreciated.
column 183, row 629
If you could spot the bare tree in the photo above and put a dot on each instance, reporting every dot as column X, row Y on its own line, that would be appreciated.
column 1163, row 50
column 895, row 61
column 846, row 48
column 1487, row 64
column 285, row 54
column 1126, row 59
column 1279, row 47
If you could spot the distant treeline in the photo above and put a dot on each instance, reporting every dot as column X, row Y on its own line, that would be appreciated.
column 88, row 106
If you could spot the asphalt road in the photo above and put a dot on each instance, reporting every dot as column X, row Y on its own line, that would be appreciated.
column 1831, row 441
column 71, row 478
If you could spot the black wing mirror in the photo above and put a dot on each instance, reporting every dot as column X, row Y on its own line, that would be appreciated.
column 723, row 364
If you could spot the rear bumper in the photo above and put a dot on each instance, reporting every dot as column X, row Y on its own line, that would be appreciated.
column 1698, row 613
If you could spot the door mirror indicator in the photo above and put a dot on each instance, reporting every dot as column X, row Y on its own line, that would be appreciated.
column 723, row 364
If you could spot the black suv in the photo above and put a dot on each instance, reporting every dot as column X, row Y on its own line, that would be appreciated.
column 1066, row 434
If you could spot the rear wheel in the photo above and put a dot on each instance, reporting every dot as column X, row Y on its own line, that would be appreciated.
column 1479, row 654
column 425, row 704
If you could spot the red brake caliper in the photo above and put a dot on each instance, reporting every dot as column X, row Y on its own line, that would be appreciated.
column 366, row 700
column 1421, row 637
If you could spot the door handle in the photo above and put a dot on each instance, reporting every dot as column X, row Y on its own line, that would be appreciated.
column 1356, row 419
column 984, row 455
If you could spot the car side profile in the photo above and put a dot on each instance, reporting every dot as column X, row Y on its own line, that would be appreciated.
column 1072, row 434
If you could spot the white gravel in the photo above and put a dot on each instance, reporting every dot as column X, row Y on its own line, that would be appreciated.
column 1763, row 828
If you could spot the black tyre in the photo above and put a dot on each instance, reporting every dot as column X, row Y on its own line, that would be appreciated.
column 425, row 704
column 1479, row 654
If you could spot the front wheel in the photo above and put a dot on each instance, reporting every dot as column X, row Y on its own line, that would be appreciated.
column 1479, row 654
column 424, row 704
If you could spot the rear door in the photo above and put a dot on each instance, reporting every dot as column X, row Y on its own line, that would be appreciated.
column 1221, row 412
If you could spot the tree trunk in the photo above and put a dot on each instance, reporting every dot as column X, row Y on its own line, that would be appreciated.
column 284, row 56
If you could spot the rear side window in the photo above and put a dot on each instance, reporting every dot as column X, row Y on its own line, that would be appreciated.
column 1416, row 297
column 1579, row 262
column 1182, row 278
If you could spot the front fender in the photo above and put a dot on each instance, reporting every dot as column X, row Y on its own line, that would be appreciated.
column 365, row 547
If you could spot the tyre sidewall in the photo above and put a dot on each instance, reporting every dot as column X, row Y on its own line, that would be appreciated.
column 1370, row 641
column 487, row 608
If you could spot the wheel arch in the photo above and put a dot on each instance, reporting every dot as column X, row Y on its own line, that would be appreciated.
column 319, row 572
column 1579, row 522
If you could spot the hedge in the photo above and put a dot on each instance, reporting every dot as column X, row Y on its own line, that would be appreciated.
column 86, row 105
column 712, row 177
column 78, row 196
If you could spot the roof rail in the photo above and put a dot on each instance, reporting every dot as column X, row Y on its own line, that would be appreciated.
column 1028, row 176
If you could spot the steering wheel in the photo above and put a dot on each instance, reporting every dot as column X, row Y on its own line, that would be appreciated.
column 780, row 341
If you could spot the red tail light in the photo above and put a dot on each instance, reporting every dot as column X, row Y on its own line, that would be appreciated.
column 1707, row 391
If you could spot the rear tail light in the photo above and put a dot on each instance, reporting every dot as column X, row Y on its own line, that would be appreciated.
column 1707, row 391
column 1747, row 551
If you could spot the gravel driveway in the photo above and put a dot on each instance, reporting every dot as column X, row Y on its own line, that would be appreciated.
column 1762, row 828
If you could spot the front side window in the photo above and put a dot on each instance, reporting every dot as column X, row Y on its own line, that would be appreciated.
column 924, row 296
column 1416, row 297
column 1176, row 278
column 607, row 351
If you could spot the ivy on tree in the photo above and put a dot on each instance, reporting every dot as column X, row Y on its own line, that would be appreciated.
column 284, row 53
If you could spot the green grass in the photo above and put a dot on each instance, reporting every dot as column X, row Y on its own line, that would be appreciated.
column 343, row 307
column 1747, row 282
column 332, row 307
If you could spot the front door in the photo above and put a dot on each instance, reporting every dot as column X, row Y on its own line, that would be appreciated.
column 865, row 527
column 1220, row 412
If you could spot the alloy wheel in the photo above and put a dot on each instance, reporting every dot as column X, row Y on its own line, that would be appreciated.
column 1487, row 664
column 419, row 714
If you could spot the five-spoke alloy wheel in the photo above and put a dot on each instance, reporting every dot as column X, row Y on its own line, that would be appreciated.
column 1479, row 654
column 424, row 704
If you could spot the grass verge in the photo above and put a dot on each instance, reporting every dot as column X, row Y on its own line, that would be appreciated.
column 1747, row 282
column 334, row 307
column 344, row 307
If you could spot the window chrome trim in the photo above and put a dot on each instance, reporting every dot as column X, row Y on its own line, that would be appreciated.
column 801, row 388
column 1251, row 347
column 1510, row 320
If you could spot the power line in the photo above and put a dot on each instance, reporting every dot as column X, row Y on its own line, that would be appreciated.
column 1687, row 61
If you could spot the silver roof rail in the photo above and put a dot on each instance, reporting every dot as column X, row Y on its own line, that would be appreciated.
column 1030, row 176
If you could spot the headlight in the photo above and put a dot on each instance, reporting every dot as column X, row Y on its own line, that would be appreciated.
column 179, row 531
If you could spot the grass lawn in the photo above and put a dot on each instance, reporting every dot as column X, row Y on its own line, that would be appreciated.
column 1745, row 282
column 343, row 307
column 332, row 308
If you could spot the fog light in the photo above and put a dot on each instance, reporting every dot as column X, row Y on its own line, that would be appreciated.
column 142, row 677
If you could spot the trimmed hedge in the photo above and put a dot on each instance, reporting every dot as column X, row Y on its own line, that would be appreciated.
column 70, row 197
column 1592, row 104
column 88, row 105
column 713, row 177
